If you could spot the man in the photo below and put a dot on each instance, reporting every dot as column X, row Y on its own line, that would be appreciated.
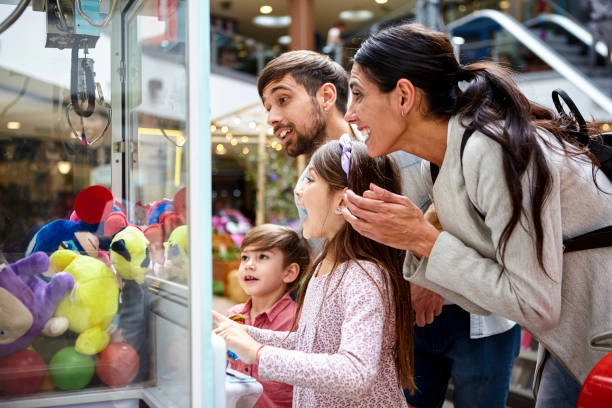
column 305, row 94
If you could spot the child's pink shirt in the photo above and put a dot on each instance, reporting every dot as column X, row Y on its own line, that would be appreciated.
column 280, row 318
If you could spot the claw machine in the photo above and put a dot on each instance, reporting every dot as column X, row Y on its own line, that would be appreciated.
column 105, row 207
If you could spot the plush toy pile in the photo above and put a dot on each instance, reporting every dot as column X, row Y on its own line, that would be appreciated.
column 73, row 310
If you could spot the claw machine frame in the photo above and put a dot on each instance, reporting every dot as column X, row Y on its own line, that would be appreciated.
column 115, row 98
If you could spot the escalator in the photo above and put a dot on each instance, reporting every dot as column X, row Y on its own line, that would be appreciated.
column 547, row 52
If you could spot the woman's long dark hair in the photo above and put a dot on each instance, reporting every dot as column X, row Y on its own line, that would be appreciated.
column 349, row 245
column 490, row 103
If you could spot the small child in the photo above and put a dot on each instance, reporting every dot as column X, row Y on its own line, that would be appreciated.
column 273, row 260
column 354, row 341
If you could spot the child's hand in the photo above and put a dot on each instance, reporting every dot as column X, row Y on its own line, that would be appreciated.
column 221, row 321
column 218, row 319
column 238, row 340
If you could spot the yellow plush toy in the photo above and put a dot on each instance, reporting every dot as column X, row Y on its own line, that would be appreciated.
column 176, row 259
column 129, row 253
column 93, row 302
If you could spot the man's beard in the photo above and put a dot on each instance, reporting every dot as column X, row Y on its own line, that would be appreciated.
column 313, row 137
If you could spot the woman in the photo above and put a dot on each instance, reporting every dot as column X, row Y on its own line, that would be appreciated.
column 506, row 203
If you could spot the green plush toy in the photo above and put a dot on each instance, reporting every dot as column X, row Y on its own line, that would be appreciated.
column 92, row 304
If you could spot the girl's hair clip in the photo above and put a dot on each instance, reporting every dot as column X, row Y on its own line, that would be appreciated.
column 347, row 148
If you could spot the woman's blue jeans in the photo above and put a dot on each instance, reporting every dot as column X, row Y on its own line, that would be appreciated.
column 558, row 389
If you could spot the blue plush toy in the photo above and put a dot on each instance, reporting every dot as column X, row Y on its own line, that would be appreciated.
column 91, row 207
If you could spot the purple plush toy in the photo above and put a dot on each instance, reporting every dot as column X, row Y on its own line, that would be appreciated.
column 27, row 302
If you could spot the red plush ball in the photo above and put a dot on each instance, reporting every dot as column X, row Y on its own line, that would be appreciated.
column 22, row 372
column 117, row 364
column 93, row 204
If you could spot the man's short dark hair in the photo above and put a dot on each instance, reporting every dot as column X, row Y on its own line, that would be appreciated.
column 310, row 69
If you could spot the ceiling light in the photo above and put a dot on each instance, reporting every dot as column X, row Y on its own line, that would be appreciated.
column 355, row 15
column 381, row 1
column 265, row 9
column 13, row 125
column 272, row 21
column 284, row 40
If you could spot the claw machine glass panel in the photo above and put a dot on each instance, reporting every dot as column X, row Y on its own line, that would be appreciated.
column 103, row 124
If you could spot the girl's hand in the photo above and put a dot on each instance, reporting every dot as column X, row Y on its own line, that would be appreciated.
column 220, row 320
column 236, row 337
column 238, row 340
column 390, row 219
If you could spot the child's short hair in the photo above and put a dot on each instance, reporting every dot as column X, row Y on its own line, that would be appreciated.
column 294, row 248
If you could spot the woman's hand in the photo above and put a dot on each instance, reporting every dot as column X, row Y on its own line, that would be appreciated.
column 236, row 338
column 390, row 219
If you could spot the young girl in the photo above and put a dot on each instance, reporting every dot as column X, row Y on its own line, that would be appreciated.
column 353, row 345
column 273, row 260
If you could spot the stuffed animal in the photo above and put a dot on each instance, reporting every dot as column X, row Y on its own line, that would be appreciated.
column 92, row 305
column 155, row 236
column 27, row 302
column 91, row 206
column 176, row 260
column 129, row 253
column 168, row 214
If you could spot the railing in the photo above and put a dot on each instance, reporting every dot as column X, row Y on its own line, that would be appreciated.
column 541, row 49
column 572, row 27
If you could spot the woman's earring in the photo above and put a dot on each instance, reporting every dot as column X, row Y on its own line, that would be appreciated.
column 403, row 114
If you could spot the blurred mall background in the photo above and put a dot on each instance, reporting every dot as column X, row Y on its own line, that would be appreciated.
column 549, row 44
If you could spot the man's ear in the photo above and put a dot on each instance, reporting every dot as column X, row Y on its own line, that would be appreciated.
column 327, row 96
column 291, row 273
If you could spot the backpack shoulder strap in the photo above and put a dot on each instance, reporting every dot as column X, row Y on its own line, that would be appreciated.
column 594, row 239
column 435, row 170
column 466, row 135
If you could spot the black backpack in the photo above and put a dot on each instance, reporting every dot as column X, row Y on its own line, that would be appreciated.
column 600, row 145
